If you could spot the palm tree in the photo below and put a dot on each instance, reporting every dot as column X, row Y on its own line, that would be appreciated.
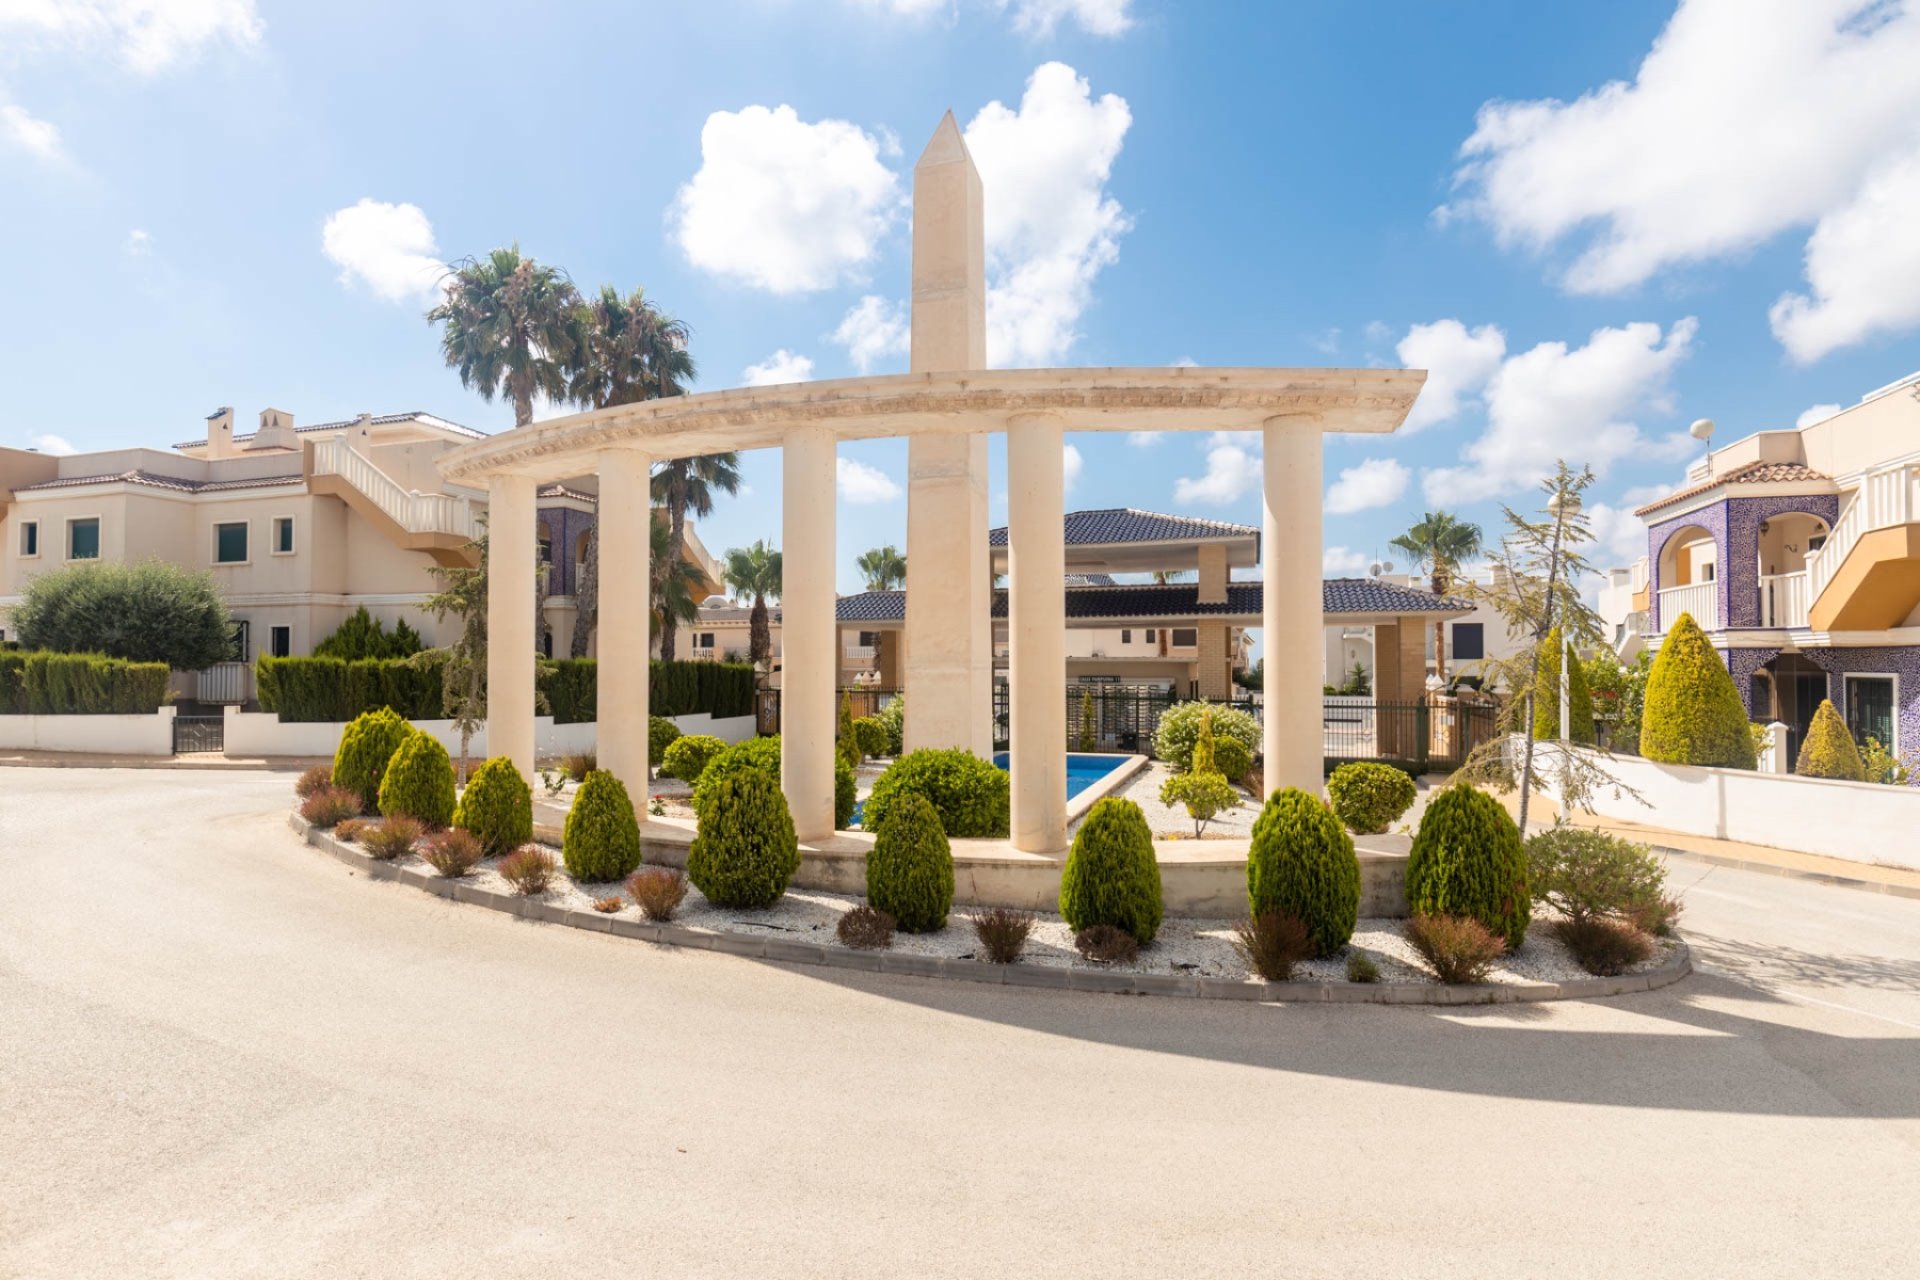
column 884, row 567
column 675, row 602
column 1440, row 544
column 754, row 572
column 508, row 327
column 683, row 485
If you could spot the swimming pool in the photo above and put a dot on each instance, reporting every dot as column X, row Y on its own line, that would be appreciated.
column 1082, row 772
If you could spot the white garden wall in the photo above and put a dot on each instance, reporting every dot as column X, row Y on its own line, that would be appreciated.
column 1859, row 821
column 149, row 735
column 260, row 733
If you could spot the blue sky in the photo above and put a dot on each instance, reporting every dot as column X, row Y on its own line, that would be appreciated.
column 1594, row 223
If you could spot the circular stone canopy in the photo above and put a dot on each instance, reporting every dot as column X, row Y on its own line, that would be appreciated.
column 1149, row 399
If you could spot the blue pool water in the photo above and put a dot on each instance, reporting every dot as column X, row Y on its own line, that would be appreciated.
column 1082, row 772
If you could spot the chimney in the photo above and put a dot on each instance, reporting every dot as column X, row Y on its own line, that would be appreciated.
column 276, row 432
column 360, row 438
column 220, row 433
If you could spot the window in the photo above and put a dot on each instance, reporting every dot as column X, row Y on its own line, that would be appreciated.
column 280, row 642
column 1126, row 637
column 240, row 648
column 1186, row 637
column 868, row 639
column 283, row 535
column 83, row 539
column 1707, row 571
column 30, row 538
column 230, row 542
column 703, row 639
column 1469, row 640
column 1150, row 635
column 1870, row 702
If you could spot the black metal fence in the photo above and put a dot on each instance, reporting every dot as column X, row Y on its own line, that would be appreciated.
column 193, row 734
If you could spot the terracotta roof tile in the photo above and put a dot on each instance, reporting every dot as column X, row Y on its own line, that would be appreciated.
column 1752, row 473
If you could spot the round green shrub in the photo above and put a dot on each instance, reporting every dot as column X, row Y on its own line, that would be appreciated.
column 894, row 717
column 497, row 807
column 1111, row 876
column 1231, row 757
column 1179, row 729
column 419, row 782
column 1693, row 713
column 971, row 795
column 763, row 755
column 689, row 755
column 746, row 850
column 661, row 734
column 1546, row 694
column 1370, row 797
column 1467, row 860
column 601, row 841
column 1301, row 862
column 910, row 870
column 871, row 733
column 366, row 745
column 1828, row 751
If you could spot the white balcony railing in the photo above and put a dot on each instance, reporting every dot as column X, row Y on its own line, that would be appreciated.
column 1701, row 599
column 413, row 511
column 1886, row 496
column 1783, row 599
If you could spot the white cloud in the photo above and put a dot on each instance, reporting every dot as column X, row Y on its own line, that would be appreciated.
column 863, row 485
column 1373, row 483
column 1378, row 331
column 1185, row 362
column 387, row 247
column 1327, row 342
column 147, row 36
column 59, row 446
column 37, row 137
column 1038, row 18
column 1458, row 363
column 782, row 366
column 1620, row 535
column 1340, row 562
column 139, row 243
column 1051, row 224
column 1144, row 439
column 1863, row 263
column 873, row 330
column 784, row 205
column 1070, row 465
column 1817, row 413
column 1231, row 472
column 1554, row 402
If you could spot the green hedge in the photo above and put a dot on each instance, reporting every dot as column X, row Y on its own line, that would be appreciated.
column 79, row 684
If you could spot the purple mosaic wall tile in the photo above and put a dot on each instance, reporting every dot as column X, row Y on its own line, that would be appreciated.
column 1743, row 663
column 1902, row 661
column 1740, row 552
column 1714, row 520
column 564, row 526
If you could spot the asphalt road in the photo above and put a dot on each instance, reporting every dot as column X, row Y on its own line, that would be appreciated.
column 223, row 1054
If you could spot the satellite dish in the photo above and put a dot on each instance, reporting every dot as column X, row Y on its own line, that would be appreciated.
column 1379, row 567
column 1702, row 429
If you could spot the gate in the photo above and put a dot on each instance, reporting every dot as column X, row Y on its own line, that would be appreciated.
column 196, row 734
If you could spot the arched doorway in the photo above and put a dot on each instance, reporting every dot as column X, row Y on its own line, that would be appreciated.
column 1782, row 547
column 1689, row 578
column 1788, row 689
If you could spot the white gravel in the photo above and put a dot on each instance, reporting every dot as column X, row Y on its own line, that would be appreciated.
column 1170, row 822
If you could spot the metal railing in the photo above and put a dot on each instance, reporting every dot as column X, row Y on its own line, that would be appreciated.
column 1783, row 599
column 225, row 682
column 412, row 510
column 1701, row 599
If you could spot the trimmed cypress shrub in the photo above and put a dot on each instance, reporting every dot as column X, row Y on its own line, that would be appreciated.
column 846, row 794
column 1693, row 713
column 497, row 807
column 910, row 870
column 1369, row 796
column 79, row 684
column 366, row 747
column 1111, row 876
column 687, row 758
column 601, row 840
column 1546, row 694
column 418, row 782
column 661, row 734
column 1301, row 863
column 763, row 754
column 1467, row 860
column 746, row 851
column 1828, row 750
column 971, row 795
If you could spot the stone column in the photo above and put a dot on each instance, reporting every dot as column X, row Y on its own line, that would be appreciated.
column 809, row 640
column 1291, row 611
column 625, row 608
column 1036, row 632
column 511, row 558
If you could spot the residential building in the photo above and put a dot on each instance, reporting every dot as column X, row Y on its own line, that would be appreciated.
column 1476, row 635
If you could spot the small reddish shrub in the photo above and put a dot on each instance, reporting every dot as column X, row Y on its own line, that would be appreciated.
column 1272, row 943
column 351, row 828
column 318, row 778
column 1107, row 944
column 1457, row 948
column 330, row 806
column 609, row 904
column 1003, row 933
column 391, row 838
column 1603, row 947
column 1656, row 916
column 658, row 891
column 865, row 928
column 529, row 870
column 453, row 852
column 579, row 764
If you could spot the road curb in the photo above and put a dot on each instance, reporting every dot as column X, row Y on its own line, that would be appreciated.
column 1108, row 981
column 1855, row 883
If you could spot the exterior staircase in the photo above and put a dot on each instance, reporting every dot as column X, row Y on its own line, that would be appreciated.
column 1867, row 576
column 441, row 524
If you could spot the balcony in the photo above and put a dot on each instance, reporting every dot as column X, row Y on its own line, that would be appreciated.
column 1783, row 599
column 1701, row 599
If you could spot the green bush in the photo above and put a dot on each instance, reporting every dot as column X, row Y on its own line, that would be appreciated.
column 970, row 794
column 1467, row 860
column 1369, row 797
column 910, row 869
column 418, row 782
column 150, row 611
column 893, row 717
column 571, row 686
column 329, row 690
column 1546, row 694
column 1231, row 757
column 79, row 684
column 1828, row 751
column 1301, row 863
column 497, row 807
column 1693, row 713
column 1204, row 795
column 1586, row 874
column 871, row 733
column 763, row 754
column 1111, row 876
column 366, row 747
column 363, row 636
column 1179, row 729
column 745, row 852
column 661, row 734
column 601, row 840
column 846, row 741
column 846, row 794
column 687, row 758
